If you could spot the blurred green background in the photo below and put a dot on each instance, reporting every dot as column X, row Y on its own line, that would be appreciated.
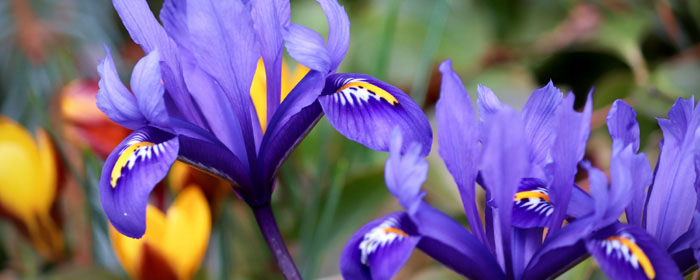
column 646, row 52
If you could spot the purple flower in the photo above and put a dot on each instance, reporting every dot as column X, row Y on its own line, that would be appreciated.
column 192, row 101
column 526, row 163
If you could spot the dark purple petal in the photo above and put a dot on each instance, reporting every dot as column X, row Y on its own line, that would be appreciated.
column 458, row 138
column 405, row 173
column 673, row 197
column 379, row 249
column 628, row 252
column 268, row 29
column 114, row 99
column 538, row 117
column 148, row 88
column 367, row 110
column 147, row 32
column 130, row 173
column 278, row 144
column 622, row 124
column 525, row 244
column 338, row 31
column 224, row 45
column 532, row 206
column 503, row 165
column 295, row 117
column 451, row 244
column 307, row 47
column 550, row 263
column 572, row 130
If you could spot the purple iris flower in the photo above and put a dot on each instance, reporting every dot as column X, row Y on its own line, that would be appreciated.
column 664, row 218
column 526, row 163
column 192, row 101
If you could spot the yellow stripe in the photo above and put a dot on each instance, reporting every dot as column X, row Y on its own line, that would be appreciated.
column 395, row 231
column 531, row 194
column 637, row 252
column 124, row 159
column 377, row 90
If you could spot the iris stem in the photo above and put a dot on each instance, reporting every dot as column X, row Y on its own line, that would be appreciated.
column 268, row 227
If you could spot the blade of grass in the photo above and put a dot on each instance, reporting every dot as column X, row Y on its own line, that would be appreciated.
column 387, row 40
column 436, row 26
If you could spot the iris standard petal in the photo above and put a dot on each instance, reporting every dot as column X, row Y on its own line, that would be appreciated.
column 487, row 102
column 532, row 206
column 145, row 30
column 672, row 191
column 538, row 117
column 630, row 174
column 622, row 124
column 148, row 88
column 130, row 173
column 451, row 244
column 572, row 130
column 379, row 249
column 628, row 252
column 405, row 173
column 458, row 136
column 502, row 142
column 219, row 114
column 224, row 45
column 114, row 99
column 268, row 29
column 338, row 31
column 367, row 110
column 307, row 47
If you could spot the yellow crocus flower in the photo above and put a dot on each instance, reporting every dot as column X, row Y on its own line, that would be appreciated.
column 174, row 243
column 28, row 185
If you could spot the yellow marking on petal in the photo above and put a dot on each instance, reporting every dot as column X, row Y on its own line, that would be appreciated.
column 124, row 159
column 180, row 237
column 377, row 90
column 531, row 194
column 395, row 231
column 637, row 252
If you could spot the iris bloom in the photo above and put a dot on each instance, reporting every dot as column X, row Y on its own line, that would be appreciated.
column 175, row 242
column 668, row 211
column 526, row 164
column 192, row 101
column 29, row 183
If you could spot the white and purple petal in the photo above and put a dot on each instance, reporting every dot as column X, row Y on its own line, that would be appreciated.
column 531, row 205
column 129, row 174
column 379, row 249
column 628, row 252
column 367, row 110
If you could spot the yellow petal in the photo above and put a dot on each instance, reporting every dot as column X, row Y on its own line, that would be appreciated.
column 258, row 92
column 289, row 82
column 28, row 182
column 180, row 237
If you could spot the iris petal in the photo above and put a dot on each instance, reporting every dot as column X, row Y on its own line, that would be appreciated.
column 130, row 173
column 367, row 110
column 532, row 206
column 379, row 249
